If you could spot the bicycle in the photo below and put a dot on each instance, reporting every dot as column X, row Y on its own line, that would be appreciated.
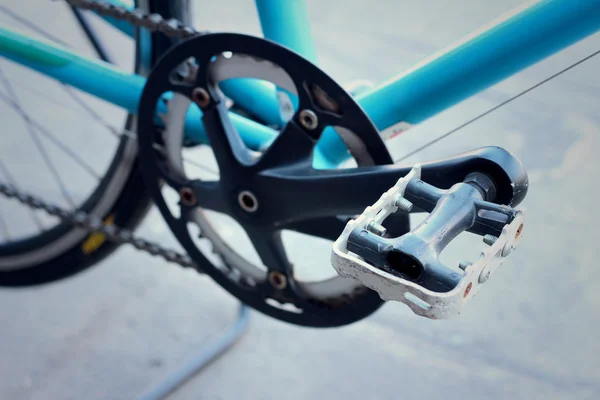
column 167, row 99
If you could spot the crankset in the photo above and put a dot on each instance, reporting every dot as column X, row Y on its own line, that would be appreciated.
column 266, row 191
column 275, row 188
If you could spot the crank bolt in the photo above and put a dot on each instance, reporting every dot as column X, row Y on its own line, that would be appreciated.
column 489, row 239
column 188, row 198
column 277, row 280
column 403, row 204
column 309, row 120
column 464, row 265
column 201, row 97
column 248, row 201
column 376, row 228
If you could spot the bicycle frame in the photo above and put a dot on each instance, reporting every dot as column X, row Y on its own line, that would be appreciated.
column 498, row 50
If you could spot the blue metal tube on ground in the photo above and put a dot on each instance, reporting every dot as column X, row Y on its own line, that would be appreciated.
column 202, row 360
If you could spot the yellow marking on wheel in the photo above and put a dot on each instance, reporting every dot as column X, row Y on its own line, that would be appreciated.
column 96, row 239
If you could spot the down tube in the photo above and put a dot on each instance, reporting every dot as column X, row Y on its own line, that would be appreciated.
column 500, row 49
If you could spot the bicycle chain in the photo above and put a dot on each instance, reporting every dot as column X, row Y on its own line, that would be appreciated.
column 93, row 223
column 154, row 23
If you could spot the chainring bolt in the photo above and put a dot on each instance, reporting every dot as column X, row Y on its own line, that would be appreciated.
column 201, row 97
column 188, row 198
column 248, row 201
column 309, row 120
column 277, row 280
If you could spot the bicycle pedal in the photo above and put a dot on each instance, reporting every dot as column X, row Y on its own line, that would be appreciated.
column 407, row 268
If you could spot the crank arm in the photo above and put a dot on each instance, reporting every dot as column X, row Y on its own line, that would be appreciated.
column 407, row 268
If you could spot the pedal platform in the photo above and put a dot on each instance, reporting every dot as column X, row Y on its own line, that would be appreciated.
column 407, row 268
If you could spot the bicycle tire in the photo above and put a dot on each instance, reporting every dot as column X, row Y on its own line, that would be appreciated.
column 127, row 210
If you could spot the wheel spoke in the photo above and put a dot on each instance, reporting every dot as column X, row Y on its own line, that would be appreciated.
column 13, row 182
column 91, row 35
column 42, row 95
column 81, row 19
column 93, row 38
column 7, row 11
column 36, row 139
column 57, row 142
column 96, row 117
column 90, row 111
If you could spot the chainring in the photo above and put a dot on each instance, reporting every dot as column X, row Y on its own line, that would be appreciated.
column 215, row 58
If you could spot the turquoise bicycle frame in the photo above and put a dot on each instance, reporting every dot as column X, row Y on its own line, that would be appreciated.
column 498, row 50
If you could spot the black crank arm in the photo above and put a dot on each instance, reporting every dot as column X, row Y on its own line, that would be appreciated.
column 305, row 193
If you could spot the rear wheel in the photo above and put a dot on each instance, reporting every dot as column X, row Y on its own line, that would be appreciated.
column 94, row 173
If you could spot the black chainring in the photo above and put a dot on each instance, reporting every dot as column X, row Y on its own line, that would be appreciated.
column 287, row 159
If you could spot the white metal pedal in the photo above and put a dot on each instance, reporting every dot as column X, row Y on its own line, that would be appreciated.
column 422, row 301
